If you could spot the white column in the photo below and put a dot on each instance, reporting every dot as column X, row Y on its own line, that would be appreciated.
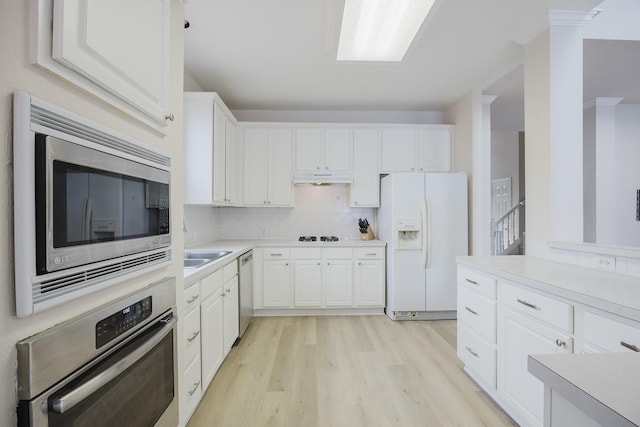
column 553, row 128
column 605, row 139
column 482, row 180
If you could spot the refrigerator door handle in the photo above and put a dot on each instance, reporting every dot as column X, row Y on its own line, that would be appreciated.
column 426, row 233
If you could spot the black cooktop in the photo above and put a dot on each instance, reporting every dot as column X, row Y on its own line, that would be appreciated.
column 315, row 239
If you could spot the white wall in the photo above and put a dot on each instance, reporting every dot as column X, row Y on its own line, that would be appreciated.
column 627, row 177
column 202, row 224
column 18, row 74
column 463, row 113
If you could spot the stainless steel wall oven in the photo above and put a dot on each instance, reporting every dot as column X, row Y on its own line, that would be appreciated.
column 114, row 366
column 91, row 207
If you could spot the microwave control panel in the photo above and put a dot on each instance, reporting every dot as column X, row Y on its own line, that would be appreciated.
column 118, row 323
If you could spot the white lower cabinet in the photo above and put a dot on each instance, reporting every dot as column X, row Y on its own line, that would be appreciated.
column 518, row 337
column 322, row 277
column 210, row 326
column 369, row 282
column 338, row 277
column 477, row 326
column 606, row 332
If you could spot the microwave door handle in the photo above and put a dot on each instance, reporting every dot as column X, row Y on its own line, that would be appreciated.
column 77, row 395
column 86, row 220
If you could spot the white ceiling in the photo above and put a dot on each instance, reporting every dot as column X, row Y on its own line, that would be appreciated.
column 280, row 54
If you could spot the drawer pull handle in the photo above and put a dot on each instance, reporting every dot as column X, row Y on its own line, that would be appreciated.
column 470, row 350
column 193, row 298
column 560, row 343
column 605, row 262
column 276, row 254
column 195, row 387
column 473, row 282
column 630, row 346
column 475, row 313
column 193, row 336
column 528, row 304
column 370, row 254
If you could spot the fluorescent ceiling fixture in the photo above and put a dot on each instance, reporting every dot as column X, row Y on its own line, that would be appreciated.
column 380, row 30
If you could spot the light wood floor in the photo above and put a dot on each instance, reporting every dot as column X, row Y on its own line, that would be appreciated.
column 346, row 371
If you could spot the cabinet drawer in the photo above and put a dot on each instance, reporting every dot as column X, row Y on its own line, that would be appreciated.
column 477, row 313
column 611, row 335
column 192, row 297
column 192, row 386
column 338, row 253
column 212, row 284
column 191, row 335
column 370, row 253
column 542, row 307
column 276, row 253
column 307, row 253
column 480, row 282
column 478, row 355
column 229, row 270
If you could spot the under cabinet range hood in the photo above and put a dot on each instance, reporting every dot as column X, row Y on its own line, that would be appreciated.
column 323, row 178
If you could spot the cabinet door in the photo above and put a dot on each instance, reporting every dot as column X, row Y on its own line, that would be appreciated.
column 518, row 337
column 255, row 167
column 339, row 283
column 365, row 190
column 211, row 324
column 307, row 283
column 86, row 37
column 280, row 187
column 230, row 161
column 309, row 150
column 219, row 155
column 434, row 150
column 337, row 150
column 369, row 283
column 276, row 283
column 231, row 319
column 398, row 150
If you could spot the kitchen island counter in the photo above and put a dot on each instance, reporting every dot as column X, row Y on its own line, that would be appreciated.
column 605, row 386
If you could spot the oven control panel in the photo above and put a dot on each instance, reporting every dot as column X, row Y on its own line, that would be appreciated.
column 118, row 323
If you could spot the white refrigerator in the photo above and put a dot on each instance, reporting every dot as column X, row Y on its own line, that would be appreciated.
column 423, row 219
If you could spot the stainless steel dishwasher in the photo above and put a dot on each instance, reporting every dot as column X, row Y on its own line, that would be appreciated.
column 246, row 291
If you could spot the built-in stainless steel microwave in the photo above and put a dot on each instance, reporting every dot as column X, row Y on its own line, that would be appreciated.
column 91, row 206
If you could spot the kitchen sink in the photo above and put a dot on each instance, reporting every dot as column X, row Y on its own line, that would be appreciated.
column 195, row 259
column 195, row 262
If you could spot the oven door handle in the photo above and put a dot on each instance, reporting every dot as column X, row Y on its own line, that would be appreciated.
column 77, row 395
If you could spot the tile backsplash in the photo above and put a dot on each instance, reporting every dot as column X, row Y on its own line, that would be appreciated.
column 318, row 211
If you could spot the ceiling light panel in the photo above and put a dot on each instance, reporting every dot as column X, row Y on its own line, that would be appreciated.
column 380, row 30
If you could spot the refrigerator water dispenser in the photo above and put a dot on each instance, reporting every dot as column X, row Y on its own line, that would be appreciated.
column 409, row 234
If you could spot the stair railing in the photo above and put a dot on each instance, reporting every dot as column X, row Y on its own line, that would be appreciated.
column 505, row 231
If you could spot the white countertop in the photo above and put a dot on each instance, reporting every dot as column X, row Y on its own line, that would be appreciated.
column 613, row 292
column 605, row 386
column 238, row 247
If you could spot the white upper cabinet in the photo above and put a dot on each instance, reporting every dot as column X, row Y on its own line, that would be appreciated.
column 365, row 190
column 209, row 150
column 434, row 145
column 117, row 50
column 421, row 149
column 323, row 149
column 398, row 150
column 268, row 167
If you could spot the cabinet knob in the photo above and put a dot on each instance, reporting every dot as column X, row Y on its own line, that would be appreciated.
column 170, row 117
column 326, row 167
column 318, row 263
column 560, row 343
column 359, row 263
column 317, row 167
column 228, row 291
